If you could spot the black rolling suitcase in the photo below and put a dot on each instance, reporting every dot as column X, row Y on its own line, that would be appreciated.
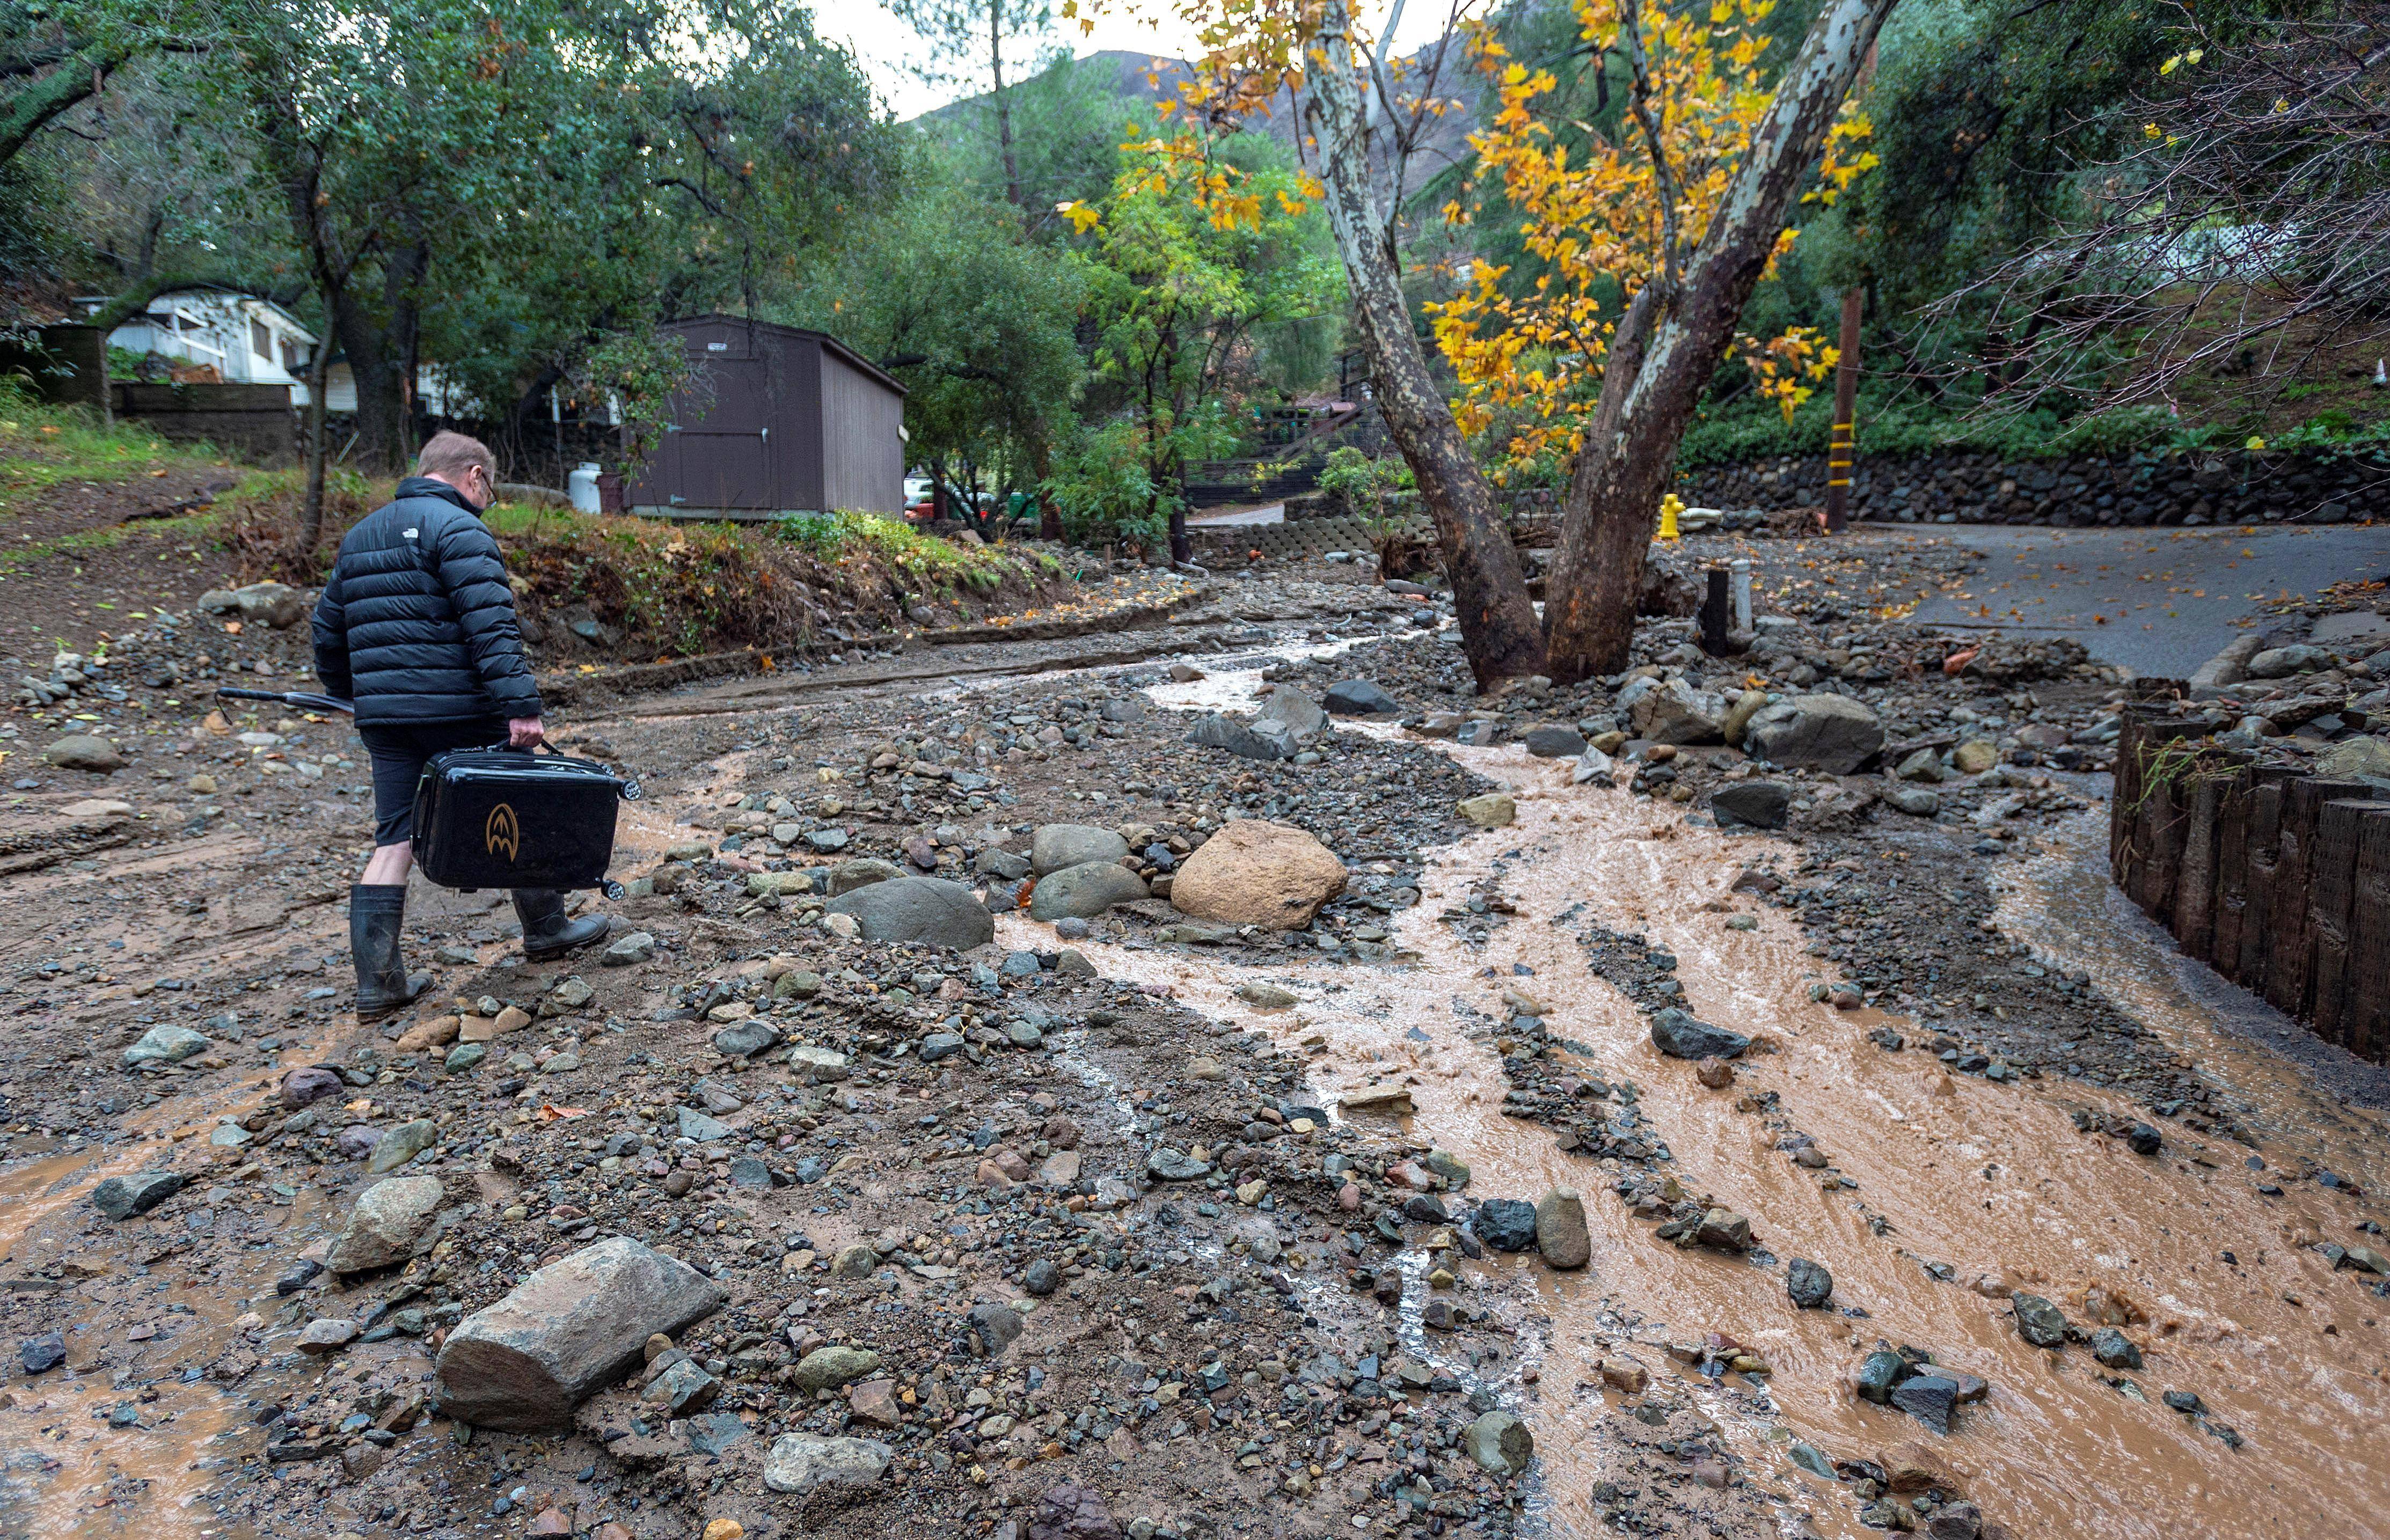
column 505, row 818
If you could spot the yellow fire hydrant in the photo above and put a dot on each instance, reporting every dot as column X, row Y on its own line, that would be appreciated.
column 1670, row 506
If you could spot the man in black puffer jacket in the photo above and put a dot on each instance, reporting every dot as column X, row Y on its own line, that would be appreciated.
column 417, row 628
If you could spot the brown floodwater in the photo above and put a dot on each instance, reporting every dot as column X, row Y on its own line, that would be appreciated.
column 78, row 1475
column 1992, row 1182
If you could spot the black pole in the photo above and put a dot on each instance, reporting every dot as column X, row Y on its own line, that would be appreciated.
column 1713, row 614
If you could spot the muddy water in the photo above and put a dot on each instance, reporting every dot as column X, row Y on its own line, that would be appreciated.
column 148, row 1479
column 1993, row 1182
column 2062, row 904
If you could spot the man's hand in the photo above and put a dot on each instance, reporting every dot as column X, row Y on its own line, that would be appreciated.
column 525, row 732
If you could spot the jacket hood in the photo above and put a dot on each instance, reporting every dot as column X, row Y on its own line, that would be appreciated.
column 424, row 486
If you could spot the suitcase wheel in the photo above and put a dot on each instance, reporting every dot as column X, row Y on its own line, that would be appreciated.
column 610, row 888
column 631, row 792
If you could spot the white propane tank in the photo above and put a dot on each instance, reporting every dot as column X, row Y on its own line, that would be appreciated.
column 584, row 487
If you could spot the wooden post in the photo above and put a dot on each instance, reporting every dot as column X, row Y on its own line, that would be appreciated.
column 2194, row 901
column 1841, row 449
column 2231, row 875
column 1713, row 614
column 2290, row 973
column 2331, row 898
column 2263, row 852
column 2368, row 1019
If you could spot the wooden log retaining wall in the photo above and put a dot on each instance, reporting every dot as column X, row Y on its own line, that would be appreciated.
column 2277, row 880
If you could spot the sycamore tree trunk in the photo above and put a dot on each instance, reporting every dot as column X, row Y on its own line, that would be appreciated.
column 1668, row 344
column 1499, row 632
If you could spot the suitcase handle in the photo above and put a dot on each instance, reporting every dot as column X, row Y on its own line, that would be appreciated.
column 625, row 787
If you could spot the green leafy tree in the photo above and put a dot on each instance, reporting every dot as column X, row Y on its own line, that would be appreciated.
column 1176, row 293
column 949, row 296
column 969, row 41
column 1067, row 123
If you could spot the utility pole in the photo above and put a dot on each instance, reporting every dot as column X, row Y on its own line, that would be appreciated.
column 1839, row 450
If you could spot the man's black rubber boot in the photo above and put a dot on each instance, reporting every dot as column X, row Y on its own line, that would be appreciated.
column 376, row 914
column 546, row 933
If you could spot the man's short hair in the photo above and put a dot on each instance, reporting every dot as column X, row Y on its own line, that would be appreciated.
column 449, row 456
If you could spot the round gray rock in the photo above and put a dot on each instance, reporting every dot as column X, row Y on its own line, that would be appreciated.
column 1056, row 847
column 1085, row 891
column 84, row 752
column 1832, row 733
column 800, row 1463
column 1500, row 1442
column 925, row 910
column 389, row 1217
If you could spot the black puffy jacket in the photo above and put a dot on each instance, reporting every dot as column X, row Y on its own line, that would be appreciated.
column 418, row 624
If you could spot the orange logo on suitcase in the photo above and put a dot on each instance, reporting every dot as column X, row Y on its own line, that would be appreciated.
column 500, row 832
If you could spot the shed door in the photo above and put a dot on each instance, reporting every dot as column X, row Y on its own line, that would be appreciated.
column 724, row 444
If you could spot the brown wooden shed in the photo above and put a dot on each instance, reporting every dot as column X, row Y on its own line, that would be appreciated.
column 775, row 419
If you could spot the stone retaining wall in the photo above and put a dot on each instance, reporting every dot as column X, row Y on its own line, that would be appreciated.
column 2122, row 489
column 1983, row 489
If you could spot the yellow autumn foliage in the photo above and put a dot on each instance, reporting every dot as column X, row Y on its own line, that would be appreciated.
column 1597, row 213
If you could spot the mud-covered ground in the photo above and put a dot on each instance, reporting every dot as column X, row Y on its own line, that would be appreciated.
column 1241, row 1307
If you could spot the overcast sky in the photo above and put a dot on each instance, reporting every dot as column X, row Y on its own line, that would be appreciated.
column 885, row 45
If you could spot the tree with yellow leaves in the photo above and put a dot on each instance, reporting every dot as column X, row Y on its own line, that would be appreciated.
column 1722, row 166
column 1603, row 217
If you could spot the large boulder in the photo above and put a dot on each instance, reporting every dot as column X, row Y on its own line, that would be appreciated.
column 1672, row 711
column 388, row 1220
column 276, row 604
column 84, row 752
column 862, row 871
column 926, row 910
column 1213, row 731
column 568, row 1329
column 1056, row 846
column 1678, row 1035
column 1560, row 1230
column 1359, row 698
column 1832, row 733
column 1760, row 804
column 1085, row 891
column 1291, row 718
column 1256, row 873
column 800, row 1463
column 122, row 1197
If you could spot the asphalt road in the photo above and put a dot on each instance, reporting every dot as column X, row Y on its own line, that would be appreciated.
column 2159, row 601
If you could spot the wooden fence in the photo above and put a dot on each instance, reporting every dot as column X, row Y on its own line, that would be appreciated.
column 2277, row 879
